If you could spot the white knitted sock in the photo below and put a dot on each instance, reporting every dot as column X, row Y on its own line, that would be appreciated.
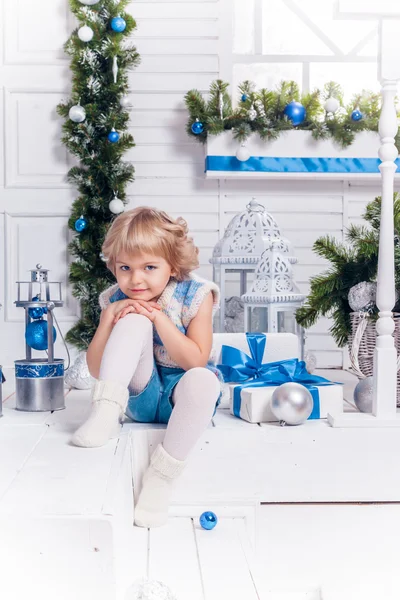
column 152, row 507
column 109, row 401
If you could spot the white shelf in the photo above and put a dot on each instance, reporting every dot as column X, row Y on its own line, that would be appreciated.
column 294, row 155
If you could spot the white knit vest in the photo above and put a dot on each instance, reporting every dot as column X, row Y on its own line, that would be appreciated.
column 180, row 301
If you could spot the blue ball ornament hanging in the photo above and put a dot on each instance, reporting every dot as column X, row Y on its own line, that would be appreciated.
column 36, row 334
column 118, row 24
column 197, row 127
column 80, row 224
column 356, row 115
column 295, row 112
column 113, row 136
column 244, row 98
column 208, row 520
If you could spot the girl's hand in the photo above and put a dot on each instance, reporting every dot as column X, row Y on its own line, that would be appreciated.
column 146, row 308
column 115, row 308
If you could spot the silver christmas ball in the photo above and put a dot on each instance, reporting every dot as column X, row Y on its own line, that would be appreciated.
column 331, row 105
column 292, row 403
column 149, row 590
column 78, row 375
column 363, row 393
column 242, row 154
column 252, row 114
column 362, row 296
column 116, row 206
column 125, row 102
column 89, row 2
column 85, row 33
column 77, row 113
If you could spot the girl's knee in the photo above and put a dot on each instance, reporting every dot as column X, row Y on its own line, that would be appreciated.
column 203, row 380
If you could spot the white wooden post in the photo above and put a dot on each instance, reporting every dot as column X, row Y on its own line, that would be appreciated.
column 384, row 412
column 385, row 355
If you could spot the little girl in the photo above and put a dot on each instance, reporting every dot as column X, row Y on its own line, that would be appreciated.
column 150, row 353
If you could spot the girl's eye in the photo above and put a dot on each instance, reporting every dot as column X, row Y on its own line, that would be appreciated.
column 151, row 267
column 124, row 267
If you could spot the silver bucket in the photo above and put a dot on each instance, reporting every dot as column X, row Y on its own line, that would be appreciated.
column 39, row 385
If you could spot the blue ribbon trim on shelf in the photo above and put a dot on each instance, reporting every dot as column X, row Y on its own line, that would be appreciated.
column 249, row 371
column 271, row 164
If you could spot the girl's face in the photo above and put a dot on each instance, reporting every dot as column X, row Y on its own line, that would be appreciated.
column 142, row 276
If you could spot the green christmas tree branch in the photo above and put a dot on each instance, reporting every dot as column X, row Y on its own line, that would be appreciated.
column 102, row 174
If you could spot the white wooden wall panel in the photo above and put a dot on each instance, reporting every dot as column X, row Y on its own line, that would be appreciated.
column 180, row 46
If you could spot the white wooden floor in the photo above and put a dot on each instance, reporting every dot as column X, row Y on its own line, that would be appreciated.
column 304, row 512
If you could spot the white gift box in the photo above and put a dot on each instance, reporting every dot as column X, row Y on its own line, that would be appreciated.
column 255, row 406
column 279, row 346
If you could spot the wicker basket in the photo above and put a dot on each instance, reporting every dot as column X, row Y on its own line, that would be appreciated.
column 362, row 343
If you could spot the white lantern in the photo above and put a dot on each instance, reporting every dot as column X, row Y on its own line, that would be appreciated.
column 243, row 154
column 89, row 2
column 85, row 33
column 274, row 289
column 248, row 234
column 77, row 113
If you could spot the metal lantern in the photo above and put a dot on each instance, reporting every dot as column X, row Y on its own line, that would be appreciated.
column 248, row 234
column 274, row 289
column 39, row 381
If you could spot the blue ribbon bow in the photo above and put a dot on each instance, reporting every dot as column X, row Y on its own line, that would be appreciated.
column 237, row 366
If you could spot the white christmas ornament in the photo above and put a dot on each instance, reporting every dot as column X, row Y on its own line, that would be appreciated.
column 115, row 68
column 85, row 33
column 331, row 105
column 242, row 154
column 77, row 113
column 125, row 102
column 89, row 2
column 149, row 590
column 252, row 114
column 116, row 206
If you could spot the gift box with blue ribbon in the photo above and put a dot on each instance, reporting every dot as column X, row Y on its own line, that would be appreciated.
column 253, row 382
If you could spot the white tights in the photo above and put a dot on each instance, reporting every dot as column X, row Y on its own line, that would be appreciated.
column 128, row 358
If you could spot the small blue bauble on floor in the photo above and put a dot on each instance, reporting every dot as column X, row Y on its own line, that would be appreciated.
column 197, row 127
column 113, row 136
column 295, row 112
column 356, row 115
column 80, row 224
column 208, row 520
column 118, row 24
column 244, row 98
column 36, row 335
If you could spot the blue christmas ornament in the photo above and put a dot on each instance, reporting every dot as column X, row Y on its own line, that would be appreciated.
column 356, row 115
column 36, row 335
column 118, row 24
column 197, row 127
column 36, row 312
column 244, row 98
column 208, row 520
column 295, row 112
column 80, row 224
column 113, row 136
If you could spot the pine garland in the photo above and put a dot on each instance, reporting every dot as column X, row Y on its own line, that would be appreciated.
column 262, row 112
column 101, row 174
column 352, row 263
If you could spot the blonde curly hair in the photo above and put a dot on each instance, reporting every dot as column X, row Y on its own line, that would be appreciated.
column 151, row 231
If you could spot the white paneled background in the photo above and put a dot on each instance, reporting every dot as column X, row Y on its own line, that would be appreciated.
column 183, row 44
